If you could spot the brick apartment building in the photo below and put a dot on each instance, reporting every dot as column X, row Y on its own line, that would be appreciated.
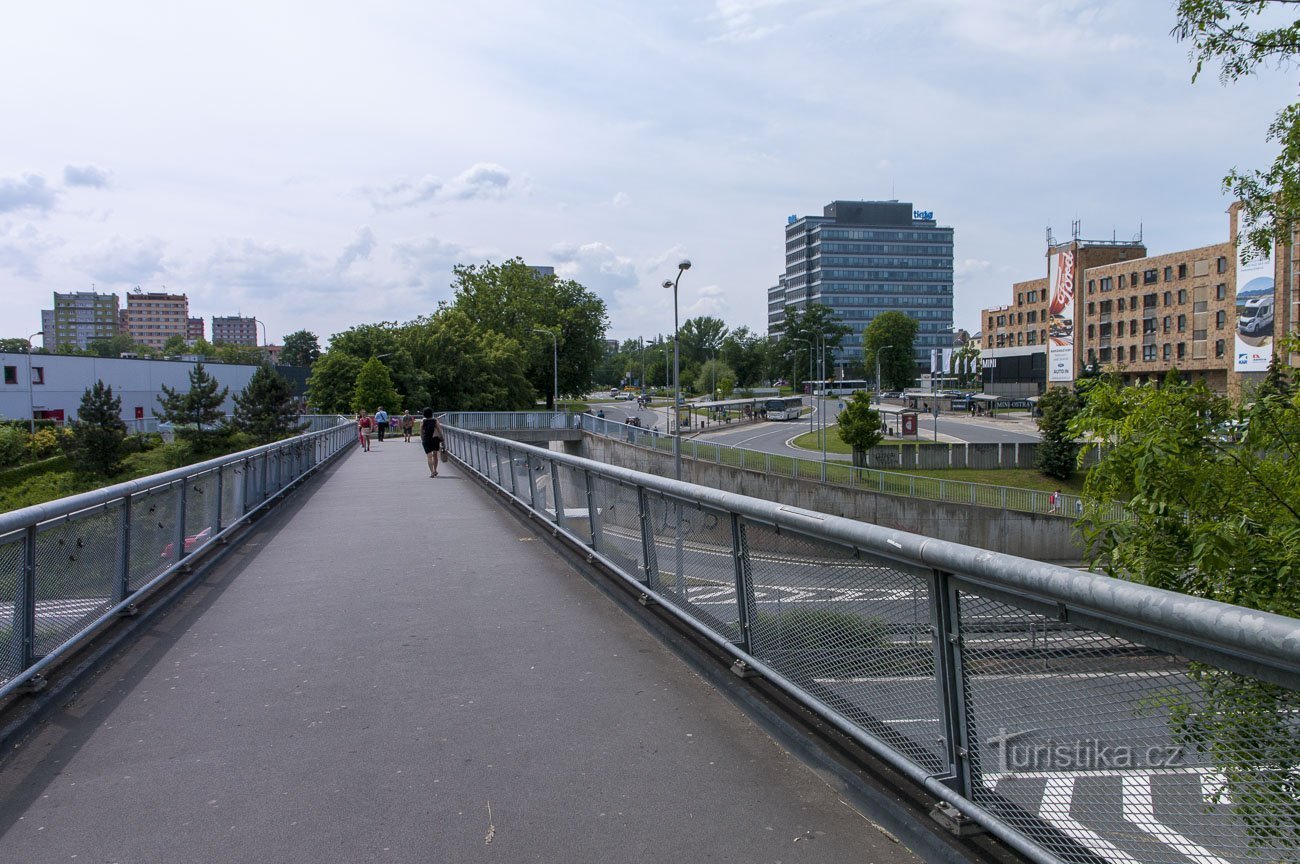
column 1140, row 316
column 152, row 318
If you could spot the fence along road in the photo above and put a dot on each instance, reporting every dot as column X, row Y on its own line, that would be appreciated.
column 1042, row 702
column 384, row 659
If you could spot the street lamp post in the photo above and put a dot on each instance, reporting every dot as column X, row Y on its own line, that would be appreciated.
column 266, row 343
column 809, row 343
column 879, row 387
column 31, row 399
column 555, row 365
column 682, row 267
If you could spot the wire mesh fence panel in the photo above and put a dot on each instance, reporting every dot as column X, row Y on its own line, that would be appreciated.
column 232, row 480
column 200, row 511
column 852, row 629
column 573, row 500
column 12, row 554
column 696, row 573
column 1097, row 747
column 153, row 533
column 620, row 521
column 521, row 474
column 75, row 573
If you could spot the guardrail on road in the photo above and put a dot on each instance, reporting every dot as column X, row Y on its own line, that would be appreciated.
column 1077, row 717
column 68, row 567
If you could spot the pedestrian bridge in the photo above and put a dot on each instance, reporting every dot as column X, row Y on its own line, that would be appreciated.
column 388, row 666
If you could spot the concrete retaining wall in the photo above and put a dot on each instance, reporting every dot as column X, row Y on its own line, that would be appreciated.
column 1029, row 535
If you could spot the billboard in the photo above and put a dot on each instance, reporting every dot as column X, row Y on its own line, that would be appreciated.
column 1060, row 316
column 1255, row 297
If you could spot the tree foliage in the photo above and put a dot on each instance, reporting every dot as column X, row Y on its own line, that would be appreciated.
column 892, row 334
column 196, row 413
column 332, row 382
column 1215, row 518
column 374, row 389
column 96, row 444
column 1058, row 451
column 301, row 348
column 473, row 369
column 1234, row 34
column 265, row 410
column 515, row 301
column 860, row 423
column 802, row 334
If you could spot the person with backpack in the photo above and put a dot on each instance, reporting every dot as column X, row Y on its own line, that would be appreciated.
column 431, row 440
column 408, row 425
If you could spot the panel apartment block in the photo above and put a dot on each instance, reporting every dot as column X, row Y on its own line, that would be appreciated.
column 79, row 318
column 153, row 318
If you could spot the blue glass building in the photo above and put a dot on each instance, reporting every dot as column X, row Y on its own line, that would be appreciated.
column 862, row 258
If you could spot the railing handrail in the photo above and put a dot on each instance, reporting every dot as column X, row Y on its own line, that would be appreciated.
column 1197, row 620
column 16, row 520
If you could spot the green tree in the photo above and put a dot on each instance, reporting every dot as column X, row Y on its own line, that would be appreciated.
column 374, row 388
column 96, row 444
column 301, row 348
column 1228, row 32
column 11, row 345
column 701, row 337
column 859, row 425
column 892, row 334
column 114, row 346
column 810, row 327
column 332, row 382
column 749, row 355
column 237, row 354
column 387, row 341
column 473, row 369
column 515, row 301
column 265, row 410
column 712, row 375
column 196, row 413
column 174, row 345
column 1219, row 520
column 1058, row 451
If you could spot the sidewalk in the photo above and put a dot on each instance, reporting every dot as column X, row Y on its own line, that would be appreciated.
column 388, row 656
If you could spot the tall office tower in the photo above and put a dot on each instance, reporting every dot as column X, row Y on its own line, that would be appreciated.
column 153, row 318
column 862, row 258
column 79, row 318
column 234, row 329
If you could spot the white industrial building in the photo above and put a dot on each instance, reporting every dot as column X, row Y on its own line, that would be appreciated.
column 57, row 382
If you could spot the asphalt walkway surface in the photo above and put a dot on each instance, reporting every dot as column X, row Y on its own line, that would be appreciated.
column 392, row 668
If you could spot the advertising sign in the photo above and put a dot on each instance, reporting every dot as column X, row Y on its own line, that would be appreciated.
column 1060, row 316
column 909, row 424
column 1255, row 297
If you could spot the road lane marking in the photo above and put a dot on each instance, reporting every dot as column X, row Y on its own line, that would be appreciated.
column 1055, row 810
column 1139, row 809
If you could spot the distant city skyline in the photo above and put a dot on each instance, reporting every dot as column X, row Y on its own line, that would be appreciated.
column 337, row 171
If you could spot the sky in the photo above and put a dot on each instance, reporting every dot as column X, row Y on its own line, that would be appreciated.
column 324, row 164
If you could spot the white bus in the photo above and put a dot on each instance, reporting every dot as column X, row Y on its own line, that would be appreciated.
column 784, row 408
column 842, row 387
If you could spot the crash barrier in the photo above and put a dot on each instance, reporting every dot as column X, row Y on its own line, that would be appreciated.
column 1079, row 718
column 834, row 473
column 68, row 567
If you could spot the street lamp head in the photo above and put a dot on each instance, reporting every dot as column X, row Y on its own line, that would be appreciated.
column 668, row 283
column 684, row 264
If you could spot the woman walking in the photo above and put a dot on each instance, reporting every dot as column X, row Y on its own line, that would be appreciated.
column 431, row 440
column 363, row 430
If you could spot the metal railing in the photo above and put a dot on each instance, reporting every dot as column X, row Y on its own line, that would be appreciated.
column 1079, row 718
column 68, row 567
column 833, row 473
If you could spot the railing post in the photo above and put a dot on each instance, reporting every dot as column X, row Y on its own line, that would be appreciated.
column 181, row 501
column 221, row 488
column 745, row 603
column 593, row 513
column 122, row 588
column 532, row 484
column 556, row 497
column 24, row 629
column 950, row 678
column 649, row 555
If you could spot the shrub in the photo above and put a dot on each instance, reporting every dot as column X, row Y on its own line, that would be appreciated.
column 13, row 445
column 46, row 443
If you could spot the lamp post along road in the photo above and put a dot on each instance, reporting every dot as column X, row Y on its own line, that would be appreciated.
column 880, row 387
column 555, row 366
column 810, row 375
column 31, row 399
column 682, row 267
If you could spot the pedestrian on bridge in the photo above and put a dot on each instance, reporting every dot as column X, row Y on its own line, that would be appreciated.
column 408, row 425
column 431, row 440
column 363, row 430
column 381, row 422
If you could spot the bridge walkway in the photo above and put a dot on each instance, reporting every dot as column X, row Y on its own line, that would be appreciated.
column 385, row 658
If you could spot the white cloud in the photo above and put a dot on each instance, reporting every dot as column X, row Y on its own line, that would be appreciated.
column 26, row 193
column 358, row 250
column 481, row 181
column 405, row 193
column 119, row 262
column 85, row 175
column 484, row 181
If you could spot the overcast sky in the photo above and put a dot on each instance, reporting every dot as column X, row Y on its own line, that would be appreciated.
column 323, row 164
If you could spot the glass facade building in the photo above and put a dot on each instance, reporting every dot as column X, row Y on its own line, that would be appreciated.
column 862, row 258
